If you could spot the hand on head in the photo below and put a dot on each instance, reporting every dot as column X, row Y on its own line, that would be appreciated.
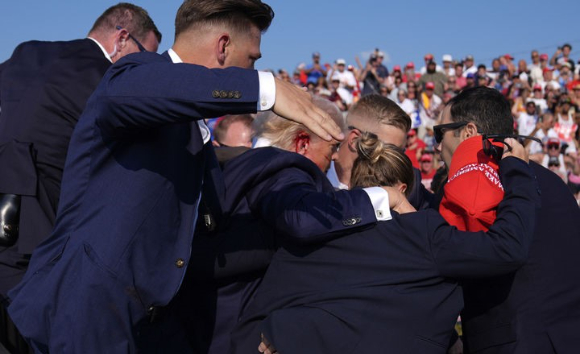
column 294, row 104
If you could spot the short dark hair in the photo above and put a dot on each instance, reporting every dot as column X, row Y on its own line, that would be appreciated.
column 133, row 18
column 567, row 45
column 484, row 106
column 236, row 14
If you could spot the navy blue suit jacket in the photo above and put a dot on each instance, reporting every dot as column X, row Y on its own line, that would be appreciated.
column 44, row 87
column 537, row 308
column 130, row 193
column 388, row 289
column 272, row 197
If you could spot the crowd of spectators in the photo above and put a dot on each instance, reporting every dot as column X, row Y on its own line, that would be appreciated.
column 544, row 93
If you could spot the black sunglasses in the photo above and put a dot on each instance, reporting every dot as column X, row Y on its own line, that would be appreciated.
column 440, row 129
column 496, row 151
column 139, row 45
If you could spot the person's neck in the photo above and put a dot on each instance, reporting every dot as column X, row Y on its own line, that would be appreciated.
column 343, row 173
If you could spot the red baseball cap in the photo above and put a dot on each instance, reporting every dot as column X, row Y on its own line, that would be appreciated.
column 508, row 56
column 427, row 157
column 397, row 68
column 546, row 69
column 471, row 170
column 410, row 65
column 543, row 56
column 429, row 86
column 537, row 87
column 428, row 57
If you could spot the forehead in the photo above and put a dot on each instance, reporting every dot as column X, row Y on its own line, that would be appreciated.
column 319, row 142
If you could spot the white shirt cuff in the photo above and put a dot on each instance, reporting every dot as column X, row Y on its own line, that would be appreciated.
column 267, row 91
column 380, row 201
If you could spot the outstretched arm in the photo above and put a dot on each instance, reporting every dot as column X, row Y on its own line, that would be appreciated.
column 296, row 204
column 147, row 91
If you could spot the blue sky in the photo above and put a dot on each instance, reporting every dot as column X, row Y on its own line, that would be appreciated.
column 404, row 30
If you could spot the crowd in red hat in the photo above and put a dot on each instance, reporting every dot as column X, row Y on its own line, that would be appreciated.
column 550, row 82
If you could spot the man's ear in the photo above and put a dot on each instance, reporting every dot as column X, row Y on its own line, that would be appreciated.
column 351, row 139
column 116, row 44
column 470, row 130
column 302, row 143
column 402, row 187
column 223, row 42
column 121, row 39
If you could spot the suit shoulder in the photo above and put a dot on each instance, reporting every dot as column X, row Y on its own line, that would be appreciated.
column 141, row 58
column 44, row 45
column 555, row 193
column 258, row 165
column 43, row 53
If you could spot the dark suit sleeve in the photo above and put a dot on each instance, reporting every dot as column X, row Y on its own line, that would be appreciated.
column 147, row 90
column 293, row 203
column 504, row 248
column 420, row 197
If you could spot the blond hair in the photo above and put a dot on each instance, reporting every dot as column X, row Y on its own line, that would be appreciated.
column 282, row 133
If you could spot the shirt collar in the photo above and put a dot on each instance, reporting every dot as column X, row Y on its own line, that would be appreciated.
column 102, row 48
column 174, row 57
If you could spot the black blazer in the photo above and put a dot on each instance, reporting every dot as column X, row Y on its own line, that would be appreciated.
column 272, row 196
column 537, row 308
column 130, row 192
column 387, row 289
column 44, row 87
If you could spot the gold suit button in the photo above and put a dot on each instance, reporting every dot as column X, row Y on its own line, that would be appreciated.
column 215, row 94
column 223, row 94
column 179, row 263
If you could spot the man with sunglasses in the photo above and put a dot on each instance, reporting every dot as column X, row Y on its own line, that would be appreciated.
column 553, row 159
column 44, row 87
column 533, row 310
